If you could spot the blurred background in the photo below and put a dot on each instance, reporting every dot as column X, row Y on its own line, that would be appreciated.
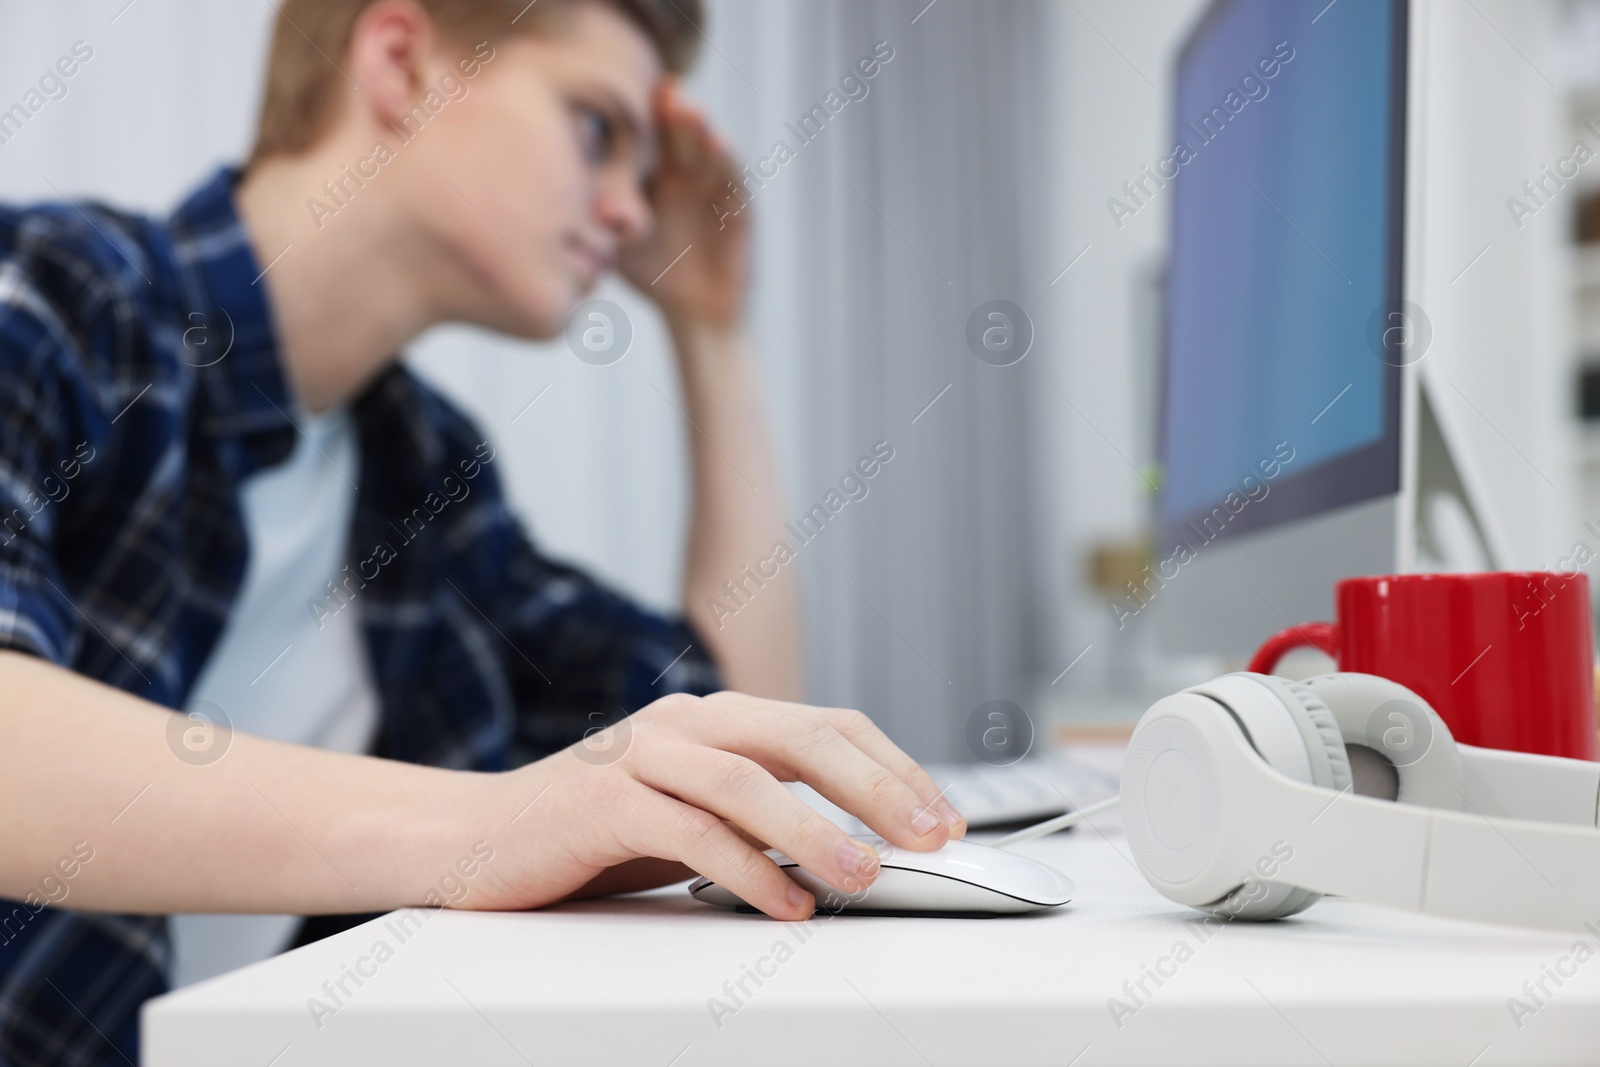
column 981, row 165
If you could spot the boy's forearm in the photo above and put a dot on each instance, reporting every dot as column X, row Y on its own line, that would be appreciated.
column 89, row 771
column 754, row 628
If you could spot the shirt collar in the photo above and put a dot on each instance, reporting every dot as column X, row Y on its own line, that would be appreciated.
column 230, row 336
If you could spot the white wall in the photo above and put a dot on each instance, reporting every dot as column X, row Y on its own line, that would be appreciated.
column 171, row 91
column 1114, row 115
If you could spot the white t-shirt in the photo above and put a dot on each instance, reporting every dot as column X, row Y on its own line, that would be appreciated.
column 274, row 672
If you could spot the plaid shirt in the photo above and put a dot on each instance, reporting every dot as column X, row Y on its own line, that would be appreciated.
column 140, row 383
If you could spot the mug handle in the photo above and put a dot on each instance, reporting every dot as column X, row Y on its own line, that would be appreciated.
column 1322, row 636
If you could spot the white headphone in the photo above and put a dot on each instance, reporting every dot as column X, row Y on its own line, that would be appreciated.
column 1238, row 797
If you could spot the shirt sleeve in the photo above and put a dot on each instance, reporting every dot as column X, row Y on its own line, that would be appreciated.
column 38, row 465
column 586, row 655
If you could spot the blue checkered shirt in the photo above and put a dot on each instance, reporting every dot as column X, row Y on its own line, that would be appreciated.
column 140, row 383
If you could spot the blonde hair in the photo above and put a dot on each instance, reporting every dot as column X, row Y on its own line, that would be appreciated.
column 298, row 105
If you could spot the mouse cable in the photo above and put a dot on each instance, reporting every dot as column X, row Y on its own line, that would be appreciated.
column 1060, row 822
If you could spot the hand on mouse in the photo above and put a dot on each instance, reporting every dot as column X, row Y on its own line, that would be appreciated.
column 695, row 785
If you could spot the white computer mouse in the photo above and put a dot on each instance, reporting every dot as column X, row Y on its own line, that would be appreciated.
column 962, row 878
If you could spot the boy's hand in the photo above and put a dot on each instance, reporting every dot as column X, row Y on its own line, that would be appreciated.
column 698, row 783
column 707, row 285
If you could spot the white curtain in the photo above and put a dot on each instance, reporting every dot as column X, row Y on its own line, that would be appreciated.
column 913, row 205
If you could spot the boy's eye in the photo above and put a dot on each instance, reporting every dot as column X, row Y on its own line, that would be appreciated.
column 596, row 134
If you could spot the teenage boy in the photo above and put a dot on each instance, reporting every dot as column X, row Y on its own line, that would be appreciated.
column 201, row 414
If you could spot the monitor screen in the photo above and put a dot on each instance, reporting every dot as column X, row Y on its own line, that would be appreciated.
column 1285, row 325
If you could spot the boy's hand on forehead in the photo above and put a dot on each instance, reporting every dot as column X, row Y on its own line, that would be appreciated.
column 694, row 263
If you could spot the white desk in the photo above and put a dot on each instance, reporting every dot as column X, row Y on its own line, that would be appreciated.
column 627, row 981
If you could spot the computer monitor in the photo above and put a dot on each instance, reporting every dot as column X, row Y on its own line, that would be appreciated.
column 1286, row 328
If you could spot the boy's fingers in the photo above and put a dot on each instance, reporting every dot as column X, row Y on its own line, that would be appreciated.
column 701, row 841
column 850, row 761
column 865, row 735
column 688, row 151
column 740, row 789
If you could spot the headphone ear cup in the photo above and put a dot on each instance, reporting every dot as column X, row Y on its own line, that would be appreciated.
column 1382, row 719
column 1319, row 726
column 1330, row 769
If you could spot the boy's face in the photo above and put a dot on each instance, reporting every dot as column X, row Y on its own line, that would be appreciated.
column 548, row 154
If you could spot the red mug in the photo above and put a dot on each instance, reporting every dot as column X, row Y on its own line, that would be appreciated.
column 1506, row 658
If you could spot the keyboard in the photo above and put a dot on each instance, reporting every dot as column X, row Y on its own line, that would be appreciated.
column 997, row 798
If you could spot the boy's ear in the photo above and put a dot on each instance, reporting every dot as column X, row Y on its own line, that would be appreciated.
column 391, row 44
